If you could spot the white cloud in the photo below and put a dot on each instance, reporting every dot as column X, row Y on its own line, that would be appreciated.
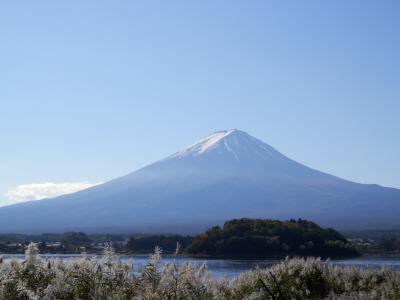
column 37, row 191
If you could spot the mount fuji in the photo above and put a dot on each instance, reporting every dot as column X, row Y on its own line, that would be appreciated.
column 228, row 174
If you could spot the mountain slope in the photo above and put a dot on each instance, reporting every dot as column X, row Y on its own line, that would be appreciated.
column 225, row 175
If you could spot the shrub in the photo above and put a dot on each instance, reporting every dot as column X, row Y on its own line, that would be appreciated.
column 109, row 278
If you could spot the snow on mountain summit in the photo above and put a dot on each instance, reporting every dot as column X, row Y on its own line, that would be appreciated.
column 206, row 144
column 234, row 142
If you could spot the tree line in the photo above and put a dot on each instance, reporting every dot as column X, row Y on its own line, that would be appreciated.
column 236, row 238
column 261, row 238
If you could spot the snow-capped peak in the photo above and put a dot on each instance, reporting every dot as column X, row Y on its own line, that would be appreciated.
column 233, row 142
column 204, row 144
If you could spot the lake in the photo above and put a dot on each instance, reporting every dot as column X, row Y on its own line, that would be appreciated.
column 232, row 267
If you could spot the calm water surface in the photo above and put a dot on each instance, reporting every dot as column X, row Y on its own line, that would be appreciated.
column 232, row 267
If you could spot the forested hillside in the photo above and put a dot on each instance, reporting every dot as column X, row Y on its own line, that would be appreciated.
column 260, row 238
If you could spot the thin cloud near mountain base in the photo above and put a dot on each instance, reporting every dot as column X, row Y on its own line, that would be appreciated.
column 38, row 191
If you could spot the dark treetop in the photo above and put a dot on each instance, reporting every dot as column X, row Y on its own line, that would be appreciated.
column 262, row 238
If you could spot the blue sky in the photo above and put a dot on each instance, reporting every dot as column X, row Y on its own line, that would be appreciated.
column 91, row 90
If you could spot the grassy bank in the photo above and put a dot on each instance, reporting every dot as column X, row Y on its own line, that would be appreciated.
column 109, row 278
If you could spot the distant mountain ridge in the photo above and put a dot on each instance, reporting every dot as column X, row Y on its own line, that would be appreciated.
column 229, row 174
